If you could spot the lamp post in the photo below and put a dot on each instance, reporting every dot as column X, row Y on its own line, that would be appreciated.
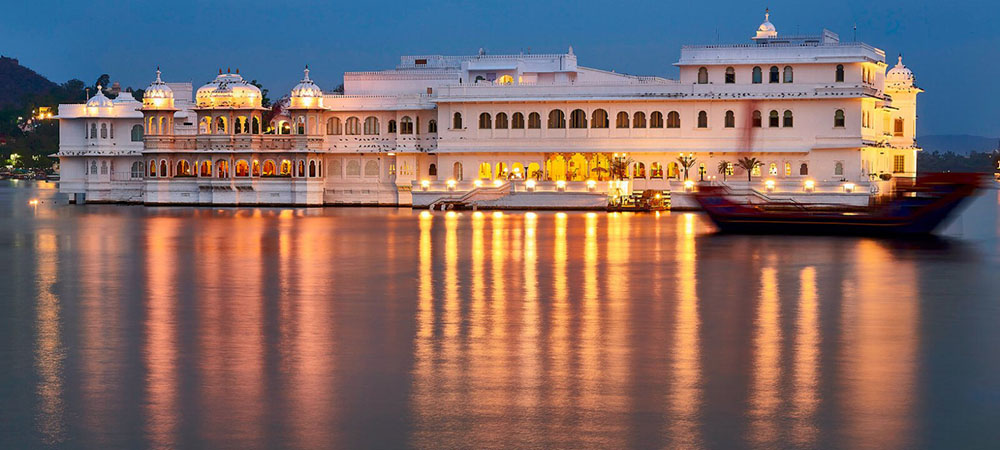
column 687, row 161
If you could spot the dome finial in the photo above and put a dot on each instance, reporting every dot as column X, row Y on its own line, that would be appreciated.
column 306, row 71
column 99, row 88
column 900, row 60
column 158, row 74
column 767, row 14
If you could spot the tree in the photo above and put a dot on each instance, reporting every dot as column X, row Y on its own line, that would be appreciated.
column 619, row 167
column 264, row 100
column 686, row 162
column 104, row 81
column 724, row 169
column 749, row 164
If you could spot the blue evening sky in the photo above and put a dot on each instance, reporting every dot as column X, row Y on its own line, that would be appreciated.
column 951, row 46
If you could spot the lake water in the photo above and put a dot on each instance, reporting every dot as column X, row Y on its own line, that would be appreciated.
column 133, row 327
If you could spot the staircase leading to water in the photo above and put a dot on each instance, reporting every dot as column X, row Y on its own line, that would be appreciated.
column 479, row 194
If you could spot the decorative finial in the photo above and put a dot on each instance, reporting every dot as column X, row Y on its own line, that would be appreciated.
column 229, row 70
column 767, row 14
column 99, row 89
column 570, row 50
column 900, row 60
column 158, row 74
column 306, row 72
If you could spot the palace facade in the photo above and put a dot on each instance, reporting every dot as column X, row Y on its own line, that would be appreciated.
column 823, row 116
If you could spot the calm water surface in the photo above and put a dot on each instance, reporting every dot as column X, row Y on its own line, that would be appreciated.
column 134, row 327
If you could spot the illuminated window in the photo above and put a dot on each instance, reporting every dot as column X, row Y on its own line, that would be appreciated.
column 702, row 75
column 655, row 170
column 757, row 75
column 772, row 169
column 656, row 119
column 673, row 119
column 639, row 170
column 242, row 168
column 534, row 120
column 506, row 79
column 501, row 122
column 456, row 121
column 286, row 168
column 730, row 119
column 788, row 169
column 787, row 119
column 730, row 75
column 838, row 118
column 517, row 121
column 485, row 171
column 639, row 120
column 578, row 119
column 152, row 168
column 756, row 171
column 485, row 121
column 557, row 119
column 702, row 119
column 898, row 164
column 839, row 78
column 599, row 119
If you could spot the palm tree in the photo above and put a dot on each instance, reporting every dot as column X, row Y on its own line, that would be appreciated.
column 686, row 162
column 619, row 167
column 724, row 169
column 749, row 164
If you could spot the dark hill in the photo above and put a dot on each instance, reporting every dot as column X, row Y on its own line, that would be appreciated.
column 16, row 81
column 958, row 143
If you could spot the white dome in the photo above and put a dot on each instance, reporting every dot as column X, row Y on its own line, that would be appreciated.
column 899, row 75
column 158, row 89
column 228, row 90
column 99, row 100
column 306, row 87
column 766, row 29
column 125, row 97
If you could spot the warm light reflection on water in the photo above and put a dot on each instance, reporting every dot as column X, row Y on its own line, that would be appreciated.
column 131, row 327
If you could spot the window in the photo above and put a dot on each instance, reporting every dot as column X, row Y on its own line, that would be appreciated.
column 621, row 121
column 772, row 120
column 104, row 167
column 406, row 125
column 774, row 75
column 432, row 126
column 656, row 119
column 804, row 169
column 673, row 119
column 730, row 75
column 300, row 127
column 353, row 168
column 639, row 120
column 302, row 169
column 333, row 126
column 838, row 118
column 557, row 119
column 93, row 131
column 152, row 168
column 655, row 170
column 757, row 123
column 479, row 78
column 104, row 131
column 517, row 121
column 534, row 120
column 485, row 121
column 352, row 126
column 371, row 125
column 639, row 170
column 456, row 171
column 838, row 168
column 787, row 119
column 599, row 119
column 702, row 75
column 730, row 119
column 220, row 124
column 578, row 119
column 772, row 169
column 501, row 121
column 242, row 168
column 255, row 126
column 757, row 76
column 456, row 121
column 111, row 130
column 312, row 169
column 485, row 172
column 702, row 119
column 432, row 170
column 371, row 168
column 182, row 168
column 136, row 133
column 391, row 127
column 788, row 169
column 897, row 128
column 898, row 164
column 788, row 74
column 839, row 78
column 506, row 79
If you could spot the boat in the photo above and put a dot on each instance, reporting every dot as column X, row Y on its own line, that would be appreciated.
column 912, row 209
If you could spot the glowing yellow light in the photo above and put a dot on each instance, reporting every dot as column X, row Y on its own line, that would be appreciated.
column 497, row 215
column 591, row 184
column 810, row 184
column 849, row 187
column 425, row 215
column 477, row 215
column 769, row 184
column 530, row 184
column 425, row 184
column 688, row 185
column 391, row 154
column 560, row 215
column 657, row 196
column 33, row 202
column 478, row 183
column 497, row 183
column 451, row 214
column 561, row 184
column 530, row 215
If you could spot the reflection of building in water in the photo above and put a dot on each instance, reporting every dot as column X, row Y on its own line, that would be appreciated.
column 49, row 349
column 813, row 107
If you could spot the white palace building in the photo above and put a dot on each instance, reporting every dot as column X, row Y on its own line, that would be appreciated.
column 824, row 117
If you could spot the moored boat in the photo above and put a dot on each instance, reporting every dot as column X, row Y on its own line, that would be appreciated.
column 914, row 209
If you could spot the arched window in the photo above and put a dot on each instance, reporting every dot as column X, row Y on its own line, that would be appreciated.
column 838, row 168
column 104, row 131
column 255, row 168
column 702, row 75
column 599, row 119
column 578, row 119
column 840, row 74
column 673, row 119
column 501, row 171
column 897, row 128
column 432, row 126
column 774, row 75
column 534, row 120
column 621, row 121
column 312, row 169
column 242, row 168
column 456, row 121
column 702, row 119
column 730, row 75
column 655, row 170
column 517, row 121
column 137, row 170
column 285, row 169
column 220, row 124
column 352, row 126
column 255, row 125
column 787, row 122
column 639, row 170
column 772, row 119
column 480, row 78
column 302, row 169
column 152, row 168
column 206, row 169
column 656, row 119
column 557, row 119
column 222, row 168
column 406, row 125
column 757, row 76
column 392, row 126
column 456, row 171
column 300, row 125
column 772, row 169
column 163, row 168
column 804, row 169
column 270, row 169
column 136, row 133
column 639, row 120
column 788, row 74
column 182, row 168
column 506, row 79
column 485, row 121
column 432, row 170
column 730, row 119
column 788, row 169
column 371, row 168
column 354, row 168
column 838, row 118
column 501, row 122
column 371, row 125
column 485, row 171
column 757, row 121
column 93, row 130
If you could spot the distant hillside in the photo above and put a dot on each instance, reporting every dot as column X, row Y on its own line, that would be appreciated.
column 16, row 81
column 957, row 143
